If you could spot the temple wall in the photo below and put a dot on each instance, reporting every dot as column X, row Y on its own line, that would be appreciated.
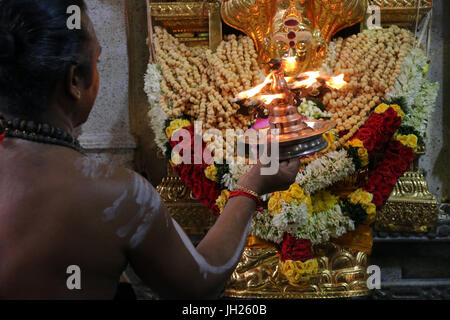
column 437, row 159
column 106, row 135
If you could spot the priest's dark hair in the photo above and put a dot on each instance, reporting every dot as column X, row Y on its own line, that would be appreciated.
column 36, row 50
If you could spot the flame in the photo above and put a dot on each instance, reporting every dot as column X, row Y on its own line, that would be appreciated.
column 289, row 64
column 255, row 90
column 311, row 78
column 267, row 99
column 337, row 82
column 288, row 79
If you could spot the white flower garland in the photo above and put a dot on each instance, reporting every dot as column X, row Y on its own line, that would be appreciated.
column 325, row 171
column 325, row 225
column 296, row 220
column 263, row 228
column 310, row 110
column 157, row 116
column 419, row 93
column 411, row 77
column 230, row 179
column 424, row 104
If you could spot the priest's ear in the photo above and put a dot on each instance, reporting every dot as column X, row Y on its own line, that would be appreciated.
column 74, row 81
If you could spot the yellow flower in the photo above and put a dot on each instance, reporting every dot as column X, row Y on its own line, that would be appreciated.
column 311, row 266
column 294, row 194
column 360, row 196
column 288, row 269
column 398, row 109
column 323, row 201
column 363, row 156
column 274, row 204
column 295, row 191
column 329, row 137
column 221, row 201
column 176, row 125
column 211, row 172
column 381, row 108
column 409, row 141
column 356, row 143
column 371, row 210
column 425, row 69
column 297, row 271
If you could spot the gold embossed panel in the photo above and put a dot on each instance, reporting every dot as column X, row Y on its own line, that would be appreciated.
column 193, row 23
column 402, row 13
column 342, row 274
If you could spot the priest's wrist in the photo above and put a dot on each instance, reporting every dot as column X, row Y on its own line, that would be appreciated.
column 247, row 185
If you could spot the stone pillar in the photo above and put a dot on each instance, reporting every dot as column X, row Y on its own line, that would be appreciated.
column 106, row 135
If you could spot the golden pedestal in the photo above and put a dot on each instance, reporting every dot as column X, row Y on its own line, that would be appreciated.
column 342, row 274
column 192, row 215
column 411, row 207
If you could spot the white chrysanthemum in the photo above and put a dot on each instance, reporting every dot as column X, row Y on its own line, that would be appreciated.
column 325, row 171
column 411, row 76
column 297, row 220
column 323, row 226
column 230, row 179
column 424, row 104
column 292, row 217
column 157, row 116
column 263, row 228
column 419, row 94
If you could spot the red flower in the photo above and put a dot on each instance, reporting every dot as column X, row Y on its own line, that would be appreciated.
column 367, row 136
column 295, row 249
column 193, row 175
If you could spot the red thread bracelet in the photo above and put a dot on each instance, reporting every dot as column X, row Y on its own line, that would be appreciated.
column 237, row 193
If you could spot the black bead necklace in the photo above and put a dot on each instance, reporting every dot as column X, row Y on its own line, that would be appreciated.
column 42, row 133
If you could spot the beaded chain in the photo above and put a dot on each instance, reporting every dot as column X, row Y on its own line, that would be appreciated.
column 37, row 132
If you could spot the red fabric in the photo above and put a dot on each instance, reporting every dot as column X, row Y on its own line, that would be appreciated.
column 2, row 136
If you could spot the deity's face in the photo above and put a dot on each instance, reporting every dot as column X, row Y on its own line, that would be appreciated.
column 300, row 29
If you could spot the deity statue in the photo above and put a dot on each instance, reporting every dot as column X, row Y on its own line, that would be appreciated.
column 300, row 29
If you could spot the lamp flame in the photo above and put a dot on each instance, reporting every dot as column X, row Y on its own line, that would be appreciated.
column 267, row 99
column 337, row 82
column 311, row 79
column 255, row 90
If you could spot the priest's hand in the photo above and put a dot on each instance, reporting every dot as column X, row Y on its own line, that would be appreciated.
column 264, row 183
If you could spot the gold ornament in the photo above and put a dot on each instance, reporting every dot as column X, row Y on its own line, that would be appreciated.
column 341, row 274
column 300, row 29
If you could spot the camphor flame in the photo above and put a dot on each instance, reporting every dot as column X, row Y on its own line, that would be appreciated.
column 311, row 79
column 337, row 82
column 267, row 99
column 255, row 90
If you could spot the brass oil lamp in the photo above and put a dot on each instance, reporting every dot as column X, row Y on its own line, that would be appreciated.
column 275, row 98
